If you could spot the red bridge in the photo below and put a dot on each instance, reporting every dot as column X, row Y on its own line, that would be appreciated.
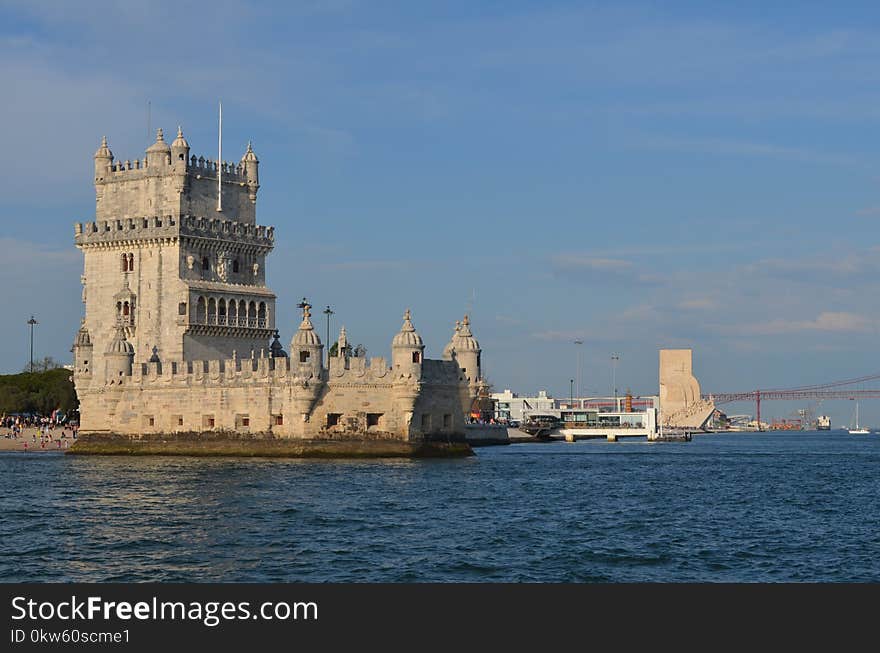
column 835, row 390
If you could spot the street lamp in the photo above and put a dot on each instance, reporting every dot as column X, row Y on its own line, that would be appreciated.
column 32, row 322
column 328, row 313
column 578, row 376
column 571, row 394
column 614, row 359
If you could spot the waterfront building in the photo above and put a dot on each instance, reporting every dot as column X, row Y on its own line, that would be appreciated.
column 179, row 335
column 512, row 407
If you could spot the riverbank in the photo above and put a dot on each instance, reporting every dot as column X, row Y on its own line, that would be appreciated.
column 261, row 445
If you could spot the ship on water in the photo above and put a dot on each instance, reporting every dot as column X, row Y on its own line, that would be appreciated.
column 823, row 423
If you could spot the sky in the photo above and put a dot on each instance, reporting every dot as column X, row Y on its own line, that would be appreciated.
column 636, row 176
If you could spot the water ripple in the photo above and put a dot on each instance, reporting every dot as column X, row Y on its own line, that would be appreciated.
column 788, row 507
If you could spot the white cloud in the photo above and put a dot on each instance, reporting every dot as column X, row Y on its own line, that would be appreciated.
column 839, row 322
column 698, row 304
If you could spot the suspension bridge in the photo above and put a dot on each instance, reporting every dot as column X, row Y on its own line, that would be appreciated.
column 824, row 391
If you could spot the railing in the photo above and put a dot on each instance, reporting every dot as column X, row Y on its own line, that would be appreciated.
column 223, row 320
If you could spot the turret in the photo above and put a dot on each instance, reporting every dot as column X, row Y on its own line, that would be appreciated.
column 119, row 357
column 159, row 153
column 449, row 349
column 467, row 352
column 306, row 359
column 251, row 168
column 306, row 347
column 82, row 352
column 275, row 348
column 103, row 160
column 407, row 348
column 179, row 152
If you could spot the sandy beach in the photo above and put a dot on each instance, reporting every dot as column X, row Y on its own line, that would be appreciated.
column 27, row 436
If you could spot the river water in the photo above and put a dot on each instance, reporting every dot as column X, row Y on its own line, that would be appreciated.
column 764, row 507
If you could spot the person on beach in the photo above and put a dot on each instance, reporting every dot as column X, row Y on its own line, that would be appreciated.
column 25, row 446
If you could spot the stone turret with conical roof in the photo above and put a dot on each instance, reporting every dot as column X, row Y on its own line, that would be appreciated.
column 82, row 352
column 465, row 351
column 276, row 349
column 305, row 346
column 251, row 168
column 307, row 354
column 449, row 349
column 179, row 152
column 407, row 348
column 103, row 160
column 159, row 153
column 118, row 357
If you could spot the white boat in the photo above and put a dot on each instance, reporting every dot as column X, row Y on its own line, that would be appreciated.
column 858, row 430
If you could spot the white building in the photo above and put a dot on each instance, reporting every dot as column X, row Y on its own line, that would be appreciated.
column 511, row 406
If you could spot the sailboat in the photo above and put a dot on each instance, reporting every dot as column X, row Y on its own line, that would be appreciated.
column 858, row 430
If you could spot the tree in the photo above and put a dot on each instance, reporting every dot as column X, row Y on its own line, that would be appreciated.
column 40, row 392
column 48, row 363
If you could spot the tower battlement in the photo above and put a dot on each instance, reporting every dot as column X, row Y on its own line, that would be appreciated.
column 205, row 166
column 124, row 230
column 169, row 180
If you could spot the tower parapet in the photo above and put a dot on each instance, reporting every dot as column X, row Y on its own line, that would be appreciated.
column 171, row 226
column 171, row 180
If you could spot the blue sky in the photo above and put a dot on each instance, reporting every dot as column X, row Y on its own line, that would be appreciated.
column 636, row 175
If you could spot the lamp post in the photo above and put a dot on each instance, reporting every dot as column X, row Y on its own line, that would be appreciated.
column 328, row 313
column 614, row 359
column 578, row 376
column 32, row 322
column 571, row 394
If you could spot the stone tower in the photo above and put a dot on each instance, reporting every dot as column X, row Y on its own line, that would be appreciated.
column 171, row 262
column 465, row 351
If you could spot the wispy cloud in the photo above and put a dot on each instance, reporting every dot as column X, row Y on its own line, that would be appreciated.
column 813, row 269
column 719, row 146
column 698, row 304
column 563, row 336
column 827, row 321
column 597, row 269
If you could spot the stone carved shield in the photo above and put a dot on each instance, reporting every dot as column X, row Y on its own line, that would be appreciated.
column 224, row 263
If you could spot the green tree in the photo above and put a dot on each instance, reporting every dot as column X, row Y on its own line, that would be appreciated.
column 40, row 392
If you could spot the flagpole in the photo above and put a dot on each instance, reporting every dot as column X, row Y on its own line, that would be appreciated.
column 220, row 159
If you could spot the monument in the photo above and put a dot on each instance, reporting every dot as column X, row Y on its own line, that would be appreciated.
column 681, row 405
column 179, row 352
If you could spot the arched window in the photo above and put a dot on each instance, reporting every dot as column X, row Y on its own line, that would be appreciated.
column 124, row 263
column 235, row 266
column 126, row 310
column 233, row 313
column 261, row 315
column 242, row 313
column 417, row 357
column 118, row 309
column 303, row 357
column 206, row 264
column 201, row 311
column 252, row 314
column 131, row 262
column 212, row 311
column 221, row 312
